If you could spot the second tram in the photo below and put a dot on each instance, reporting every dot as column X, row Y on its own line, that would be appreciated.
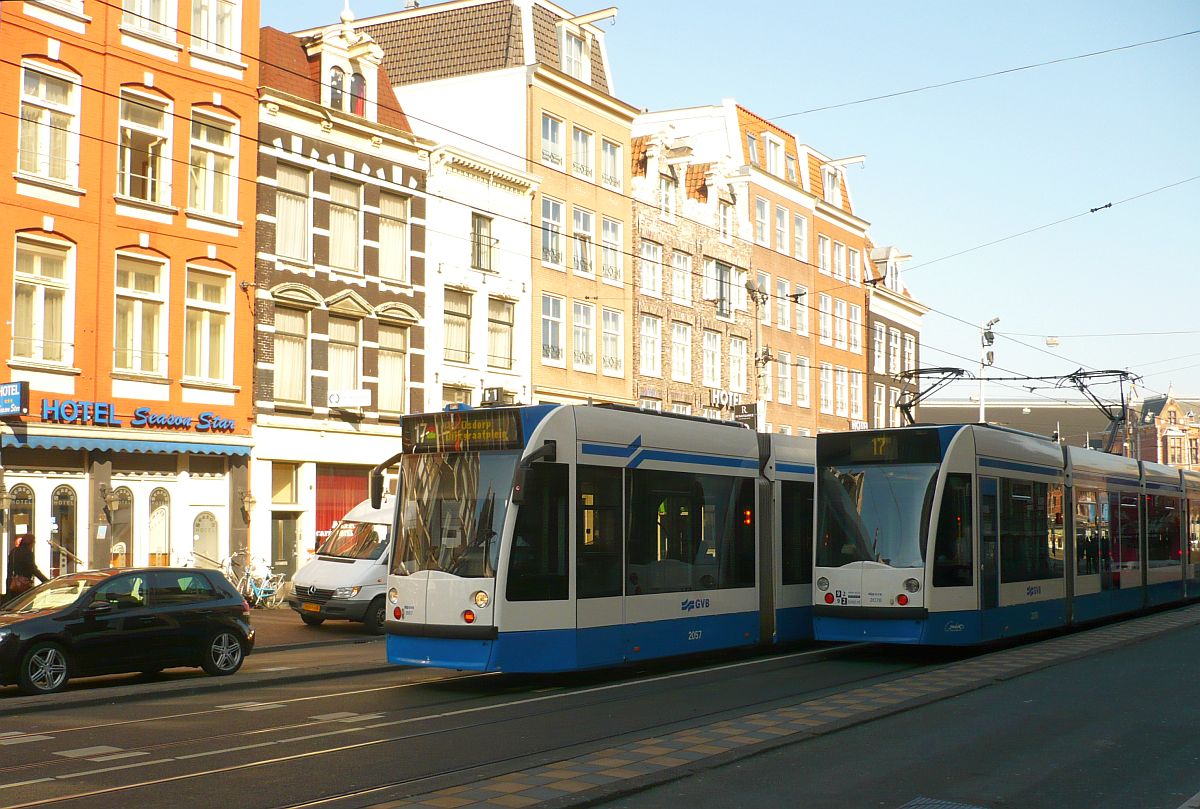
column 962, row 534
column 560, row 537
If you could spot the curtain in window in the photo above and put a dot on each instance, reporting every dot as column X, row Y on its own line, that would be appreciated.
column 500, row 333
column 393, row 368
column 343, row 225
column 343, row 354
column 291, row 367
column 458, row 323
column 393, row 237
column 291, row 212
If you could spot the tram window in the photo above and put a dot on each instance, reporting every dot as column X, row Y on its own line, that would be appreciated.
column 952, row 556
column 1027, row 550
column 598, row 532
column 796, row 517
column 538, row 568
column 688, row 532
column 1124, row 551
column 1162, row 531
column 1091, row 530
column 1193, row 536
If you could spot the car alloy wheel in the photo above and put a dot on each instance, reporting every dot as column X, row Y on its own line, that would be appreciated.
column 223, row 655
column 45, row 669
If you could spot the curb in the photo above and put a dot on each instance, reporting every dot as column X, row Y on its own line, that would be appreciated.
column 150, row 690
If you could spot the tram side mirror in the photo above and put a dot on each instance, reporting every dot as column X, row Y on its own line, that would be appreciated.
column 546, row 452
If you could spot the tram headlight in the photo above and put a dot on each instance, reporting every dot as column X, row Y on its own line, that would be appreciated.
column 912, row 585
column 481, row 599
column 394, row 595
column 822, row 584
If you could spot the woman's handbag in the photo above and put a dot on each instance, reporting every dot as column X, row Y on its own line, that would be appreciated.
column 19, row 584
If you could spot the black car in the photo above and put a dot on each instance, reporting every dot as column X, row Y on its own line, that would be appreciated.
column 111, row 621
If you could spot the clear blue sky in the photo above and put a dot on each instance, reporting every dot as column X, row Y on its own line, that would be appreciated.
column 953, row 168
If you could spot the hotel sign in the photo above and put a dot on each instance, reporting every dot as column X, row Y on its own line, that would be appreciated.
column 14, row 399
column 103, row 414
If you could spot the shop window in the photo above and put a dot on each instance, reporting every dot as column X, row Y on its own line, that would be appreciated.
column 120, row 510
column 160, row 528
column 284, row 487
column 20, row 514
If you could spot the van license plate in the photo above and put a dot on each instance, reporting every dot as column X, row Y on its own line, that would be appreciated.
column 311, row 607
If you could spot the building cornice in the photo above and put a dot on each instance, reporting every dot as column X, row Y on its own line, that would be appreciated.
column 303, row 108
column 451, row 157
column 547, row 78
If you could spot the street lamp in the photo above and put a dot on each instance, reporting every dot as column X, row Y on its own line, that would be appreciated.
column 762, row 356
column 986, row 358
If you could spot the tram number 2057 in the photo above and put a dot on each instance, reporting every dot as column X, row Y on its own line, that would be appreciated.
column 694, row 634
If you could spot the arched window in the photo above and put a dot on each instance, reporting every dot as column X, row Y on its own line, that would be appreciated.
column 336, row 78
column 20, row 513
column 160, row 527
column 358, row 93
column 64, row 558
column 121, row 528
column 204, row 540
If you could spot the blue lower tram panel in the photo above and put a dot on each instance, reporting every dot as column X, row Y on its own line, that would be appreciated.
column 572, row 649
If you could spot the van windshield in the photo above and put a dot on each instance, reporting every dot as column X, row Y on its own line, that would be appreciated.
column 355, row 540
column 451, row 512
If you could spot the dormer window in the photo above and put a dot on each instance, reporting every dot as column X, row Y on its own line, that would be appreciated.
column 790, row 163
column 574, row 60
column 337, row 78
column 358, row 94
column 752, row 147
column 833, row 186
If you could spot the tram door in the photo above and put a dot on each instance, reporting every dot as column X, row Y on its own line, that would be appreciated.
column 599, row 562
column 989, row 556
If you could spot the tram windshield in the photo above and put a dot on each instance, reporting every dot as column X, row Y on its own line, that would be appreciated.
column 874, row 513
column 451, row 512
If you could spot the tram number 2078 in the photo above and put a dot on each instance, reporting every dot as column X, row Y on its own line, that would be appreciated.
column 694, row 634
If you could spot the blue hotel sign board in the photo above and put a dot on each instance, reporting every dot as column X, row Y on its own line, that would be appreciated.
column 14, row 399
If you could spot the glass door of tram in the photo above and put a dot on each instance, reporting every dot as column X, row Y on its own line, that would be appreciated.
column 599, row 565
column 989, row 556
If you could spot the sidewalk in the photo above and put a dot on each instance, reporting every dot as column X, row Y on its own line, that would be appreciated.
column 282, row 654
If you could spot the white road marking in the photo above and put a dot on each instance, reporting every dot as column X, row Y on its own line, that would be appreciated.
column 251, row 706
column 88, row 752
column 279, row 668
column 17, row 737
column 222, row 751
column 99, row 770
column 116, row 756
column 1191, row 803
column 26, row 783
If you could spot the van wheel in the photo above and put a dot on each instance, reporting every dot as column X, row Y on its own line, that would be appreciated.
column 374, row 618
column 312, row 620
column 45, row 669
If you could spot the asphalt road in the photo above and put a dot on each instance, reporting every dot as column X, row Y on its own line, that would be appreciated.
column 1087, row 720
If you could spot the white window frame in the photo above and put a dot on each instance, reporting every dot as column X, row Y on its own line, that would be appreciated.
column 839, row 261
column 681, row 351
column 40, row 284
column 612, row 170
column 153, row 18
column 464, row 318
column 583, row 336
column 211, row 313
column 650, row 269
column 831, row 182
column 160, row 179
column 356, row 211
column 140, row 300
column 783, row 367
column 552, row 232
column 789, row 164
column 761, row 212
column 305, row 198
column 583, row 145
column 738, row 353
column 43, row 159
column 668, row 190
column 801, row 309
column 650, row 353
column 306, row 341
column 879, row 406
column 800, row 237
column 855, row 328
column 552, row 140
column 577, row 66
column 356, row 383
column 853, row 266
column 681, row 278
column 856, row 395
column 501, row 326
column 612, row 252
column 583, row 242
column 783, row 305
column 774, row 154
column 910, row 352
column 393, row 256
column 894, row 411
column 841, row 402
column 839, row 323
column 725, row 221
column 612, row 342
column 824, row 255
column 781, row 230
column 827, row 388
column 711, row 370
column 764, row 283
column 879, row 348
column 212, row 179
column 824, row 318
column 752, row 147
column 553, row 323
column 389, row 388
column 893, row 351
column 803, row 383
column 207, row 29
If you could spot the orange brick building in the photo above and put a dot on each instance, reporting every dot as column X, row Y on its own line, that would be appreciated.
column 127, row 256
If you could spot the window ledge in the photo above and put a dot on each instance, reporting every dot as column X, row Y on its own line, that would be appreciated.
column 221, row 60
column 133, row 376
column 45, row 367
column 208, row 384
column 215, row 218
column 145, row 204
column 293, row 407
column 69, row 13
column 282, row 262
column 47, row 182
column 147, row 36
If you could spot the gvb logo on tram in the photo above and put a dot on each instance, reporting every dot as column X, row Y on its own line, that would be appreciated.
column 695, row 604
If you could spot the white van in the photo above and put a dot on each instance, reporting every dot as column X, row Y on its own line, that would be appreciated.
column 347, row 578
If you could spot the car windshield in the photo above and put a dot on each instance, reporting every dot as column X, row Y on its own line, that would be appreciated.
column 54, row 594
column 355, row 540
column 451, row 511
column 874, row 513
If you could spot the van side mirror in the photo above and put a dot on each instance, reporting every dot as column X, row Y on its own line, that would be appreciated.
column 376, row 490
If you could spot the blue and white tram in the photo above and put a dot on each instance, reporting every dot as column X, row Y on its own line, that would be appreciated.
column 560, row 537
column 962, row 534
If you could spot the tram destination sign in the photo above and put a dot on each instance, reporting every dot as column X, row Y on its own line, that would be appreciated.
column 909, row 446
column 14, row 399
column 463, row 431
